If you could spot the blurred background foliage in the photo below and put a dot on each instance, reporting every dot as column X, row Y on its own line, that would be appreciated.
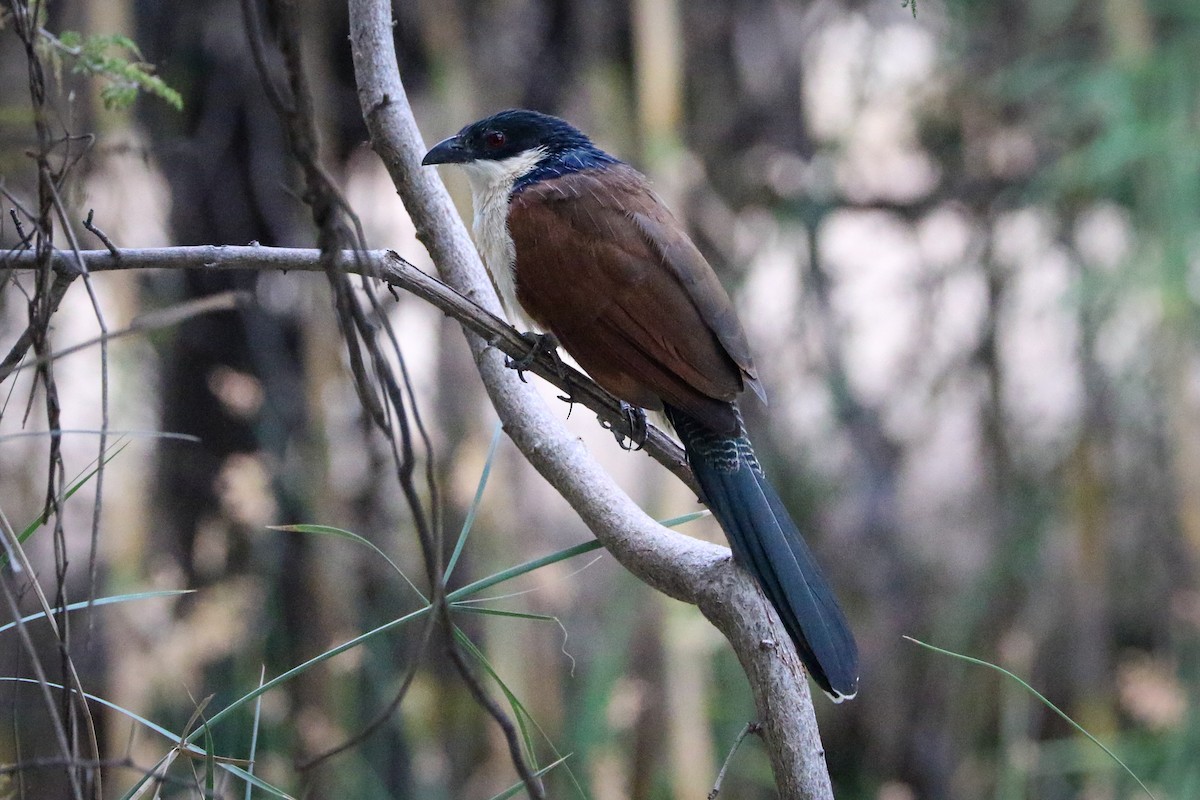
column 965, row 249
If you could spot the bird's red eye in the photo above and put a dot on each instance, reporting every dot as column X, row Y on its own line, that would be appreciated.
column 494, row 140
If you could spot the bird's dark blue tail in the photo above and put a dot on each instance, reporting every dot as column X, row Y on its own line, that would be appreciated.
column 766, row 542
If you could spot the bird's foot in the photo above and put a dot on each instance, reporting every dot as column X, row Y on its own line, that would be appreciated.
column 569, row 399
column 538, row 343
column 635, row 420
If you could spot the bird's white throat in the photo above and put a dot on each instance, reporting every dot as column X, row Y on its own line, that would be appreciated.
column 491, row 185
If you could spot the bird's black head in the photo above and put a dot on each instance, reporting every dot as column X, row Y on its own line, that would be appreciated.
column 514, row 133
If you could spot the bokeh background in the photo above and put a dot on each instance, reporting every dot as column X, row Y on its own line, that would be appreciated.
column 965, row 247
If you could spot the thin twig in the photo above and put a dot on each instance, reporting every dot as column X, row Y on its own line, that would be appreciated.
column 97, row 504
column 41, row 308
column 16, row 354
column 750, row 727
column 99, row 234
column 158, row 319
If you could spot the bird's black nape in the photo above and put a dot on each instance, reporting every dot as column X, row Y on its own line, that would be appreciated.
column 507, row 134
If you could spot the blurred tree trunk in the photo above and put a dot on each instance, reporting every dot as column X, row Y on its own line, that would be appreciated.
column 237, row 380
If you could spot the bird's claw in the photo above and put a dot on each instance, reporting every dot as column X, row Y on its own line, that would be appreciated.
column 538, row 343
column 635, row 420
column 569, row 399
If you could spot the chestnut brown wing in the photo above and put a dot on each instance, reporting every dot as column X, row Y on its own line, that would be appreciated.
column 603, row 265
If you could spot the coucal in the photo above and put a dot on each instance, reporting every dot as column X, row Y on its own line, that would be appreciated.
column 577, row 241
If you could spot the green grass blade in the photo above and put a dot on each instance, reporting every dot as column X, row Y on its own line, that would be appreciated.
column 519, row 711
column 78, row 484
column 262, row 676
column 496, row 612
column 1043, row 699
column 475, row 601
column 519, row 785
column 675, row 522
column 522, row 569
column 520, row 714
column 254, row 781
column 140, row 788
column 312, row 662
column 329, row 530
column 465, row 591
column 469, row 522
column 553, row 558
column 160, row 730
column 210, row 764
column 103, row 601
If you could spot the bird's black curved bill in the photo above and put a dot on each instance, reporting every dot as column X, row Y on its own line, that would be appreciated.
column 447, row 151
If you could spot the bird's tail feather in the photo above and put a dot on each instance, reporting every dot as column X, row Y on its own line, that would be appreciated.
column 767, row 543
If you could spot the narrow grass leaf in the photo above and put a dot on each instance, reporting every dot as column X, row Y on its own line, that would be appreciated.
column 32, row 527
column 469, row 522
column 519, row 711
column 312, row 662
column 210, row 765
column 103, row 601
column 518, row 786
column 329, row 530
column 522, row 569
column 254, row 781
column 1043, row 699
column 160, row 730
column 496, row 612
column 145, row 784
column 262, row 676
column 518, row 708
column 675, row 522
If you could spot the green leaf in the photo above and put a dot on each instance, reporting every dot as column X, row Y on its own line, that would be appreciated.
column 522, row 569
column 160, row 730
column 470, row 520
column 675, row 522
column 520, row 714
column 103, row 601
column 32, row 527
column 210, row 765
column 519, row 711
column 460, row 594
column 1042, row 698
column 329, row 530
column 312, row 662
column 496, row 612
column 255, row 781
column 250, row 779
column 519, row 785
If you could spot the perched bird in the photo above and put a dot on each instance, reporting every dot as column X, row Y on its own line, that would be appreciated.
column 578, row 242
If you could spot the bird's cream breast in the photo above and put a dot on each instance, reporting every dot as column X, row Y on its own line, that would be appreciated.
column 491, row 185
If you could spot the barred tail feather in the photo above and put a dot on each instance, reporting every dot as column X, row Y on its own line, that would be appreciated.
column 766, row 542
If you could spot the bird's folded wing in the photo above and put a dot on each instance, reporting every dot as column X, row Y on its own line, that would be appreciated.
column 602, row 265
